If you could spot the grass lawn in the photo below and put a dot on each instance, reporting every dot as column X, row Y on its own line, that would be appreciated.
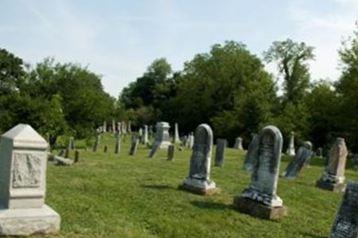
column 108, row 195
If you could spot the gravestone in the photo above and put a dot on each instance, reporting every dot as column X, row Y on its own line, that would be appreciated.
column 162, row 139
column 304, row 153
column 319, row 152
column 117, row 146
column 124, row 128
column 134, row 145
column 346, row 222
column 145, row 135
column 104, row 128
column 113, row 126
column 260, row 198
column 291, row 145
column 190, row 141
column 198, row 180
column 71, row 144
column 333, row 176
column 129, row 127
column 220, row 152
column 238, row 144
column 176, row 134
column 150, row 132
column 77, row 156
column 23, row 162
column 96, row 143
column 170, row 152
column 252, row 150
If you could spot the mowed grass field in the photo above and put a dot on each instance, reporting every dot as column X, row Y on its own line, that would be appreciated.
column 108, row 195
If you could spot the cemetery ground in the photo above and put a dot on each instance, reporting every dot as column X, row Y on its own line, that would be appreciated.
column 117, row 195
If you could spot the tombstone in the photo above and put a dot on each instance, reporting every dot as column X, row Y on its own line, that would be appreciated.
column 145, row 135
column 170, row 152
column 190, row 141
column 198, row 180
column 260, row 198
column 77, row 156
column 140, row 132
column 129, row 127
column 67, row 153
column 345, row 224
column 250, row 157
column 162, row 139
column 291, row 145
column 119, row 128
column 117, row 146
column 124, row 128
column 104, row 128
column 333, row 176
column 238, row 144
column 134, row 145
column 113, row 126
column 96, row 143
column 319, row 152
column 176, row 134
column 23, row 162
column 220, row 152
column 150, row 132
column 303, row 154
column 71, row 144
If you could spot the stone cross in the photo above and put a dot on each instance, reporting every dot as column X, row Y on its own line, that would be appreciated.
column 345, row 224
column 251, row 155
column 176, row 133
column 291, row 145
column 220, row 152
column 333, row 176
column 238, row 144
column 170, row 152
column 260, row 198
column 198, row 180
column 303, row 154
column 23, row 162
column 162, row 139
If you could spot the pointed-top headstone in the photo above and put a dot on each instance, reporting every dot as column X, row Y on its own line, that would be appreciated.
column 24, row 136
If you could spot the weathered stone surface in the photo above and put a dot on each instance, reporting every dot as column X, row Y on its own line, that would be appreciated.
column 117, row 147
column 129, row 127
column 263, row 186
column 291, row 146
column 134, row 145
column 190, row 141
column 251, row 155
column 145, row 139
column 333, row 176
column 162, row 139
column 23, row 161
column 238, row 144
column 62, row 161
column 220, row 152
column 198, row 180
column 170, row 152
column 346, row 222
column 176, row 134
column 303, row 154
column 104, row 127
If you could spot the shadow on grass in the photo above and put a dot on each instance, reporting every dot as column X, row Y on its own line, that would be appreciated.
column 157, row 186
column 211, row 205
column 312, row 235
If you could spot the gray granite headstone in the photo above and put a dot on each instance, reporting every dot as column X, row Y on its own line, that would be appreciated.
column 291, row 146
column 176, row 133
column 238, row 143
column 162, row 139
column 170, row 152
column 117, row 146
column 134, row 145
column 251, row 155
column 220, row 152
column 303, row 154
column 104, row 127
column 345, row 224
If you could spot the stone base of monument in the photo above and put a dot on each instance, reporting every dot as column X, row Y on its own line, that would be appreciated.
column 259, row 210
column 202, row 187
column 334, row 187
column 27, row 221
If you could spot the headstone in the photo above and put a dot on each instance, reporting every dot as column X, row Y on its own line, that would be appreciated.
column 238, row 144
column 23, row 162
column 170, row 152
column 260, row 198
column 77, row 156
column 104, row 128
column 117, row 146
column 129, row 128
column 346, row 222
column 71, row 144
column 140, row 132
column 134, row 145
column 303, row 154
column 333, row 176
column 67, row 153
column 220, row 152
column 113, row 126
column 198, row 180
column 162, row 139
column 190, row 140
column 291, row 146
column 145, row 139
column 319, row 152
column 250, row 157
column 124, row 128
column 119, row 128
column 96, row 143
column 176, row 134
column 150, row 132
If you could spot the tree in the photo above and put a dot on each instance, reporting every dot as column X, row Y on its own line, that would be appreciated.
column 11, row 72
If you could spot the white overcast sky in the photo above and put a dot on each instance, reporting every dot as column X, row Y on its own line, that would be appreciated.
column 118, row 39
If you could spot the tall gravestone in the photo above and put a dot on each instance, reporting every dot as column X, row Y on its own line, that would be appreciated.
column 119, row 128
column 23, row 161
column 124, row 128
column 170, row 153
column 346, row 222
column 145, row 139
column 162, row 139
column 291, row 146
column 333, row 176
column 303, row 155
column 129, row 127
column 113, row 126
column 96, row 143
column 190, row 140
column 260, row 198
column 238, row 143
column 176, row 134
column 220, row 152
column 134, row 145
column 104, row 128
column 198, row 180
column 251, row 155
column 117, row 147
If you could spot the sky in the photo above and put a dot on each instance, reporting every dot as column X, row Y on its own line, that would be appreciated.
column 119, row 39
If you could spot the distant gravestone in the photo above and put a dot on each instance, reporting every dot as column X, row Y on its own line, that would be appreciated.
column 333, row 176
column 145, row 139
column 77, row 156
column 119, row 128
column 23, row 162
column 129, row 128
column 117, row 147
column 170, row 152
column 291, row 146
column 176, row 134
column 134, row 145
column 319, row 152
column 124, row 128
column 96, row 143
column 104, row 128
column 251, row 155
column 260, row 198
column 190, row 140
column 220, row 152
column 71, row 144
column 238, row 143
column 303, row 154
column 346, row 222
column 198, row 180
column 162, row 140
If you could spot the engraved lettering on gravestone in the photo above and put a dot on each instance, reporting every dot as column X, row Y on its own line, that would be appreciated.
column 26, row 170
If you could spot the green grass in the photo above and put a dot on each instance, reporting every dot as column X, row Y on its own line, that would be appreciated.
column 108, row 195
